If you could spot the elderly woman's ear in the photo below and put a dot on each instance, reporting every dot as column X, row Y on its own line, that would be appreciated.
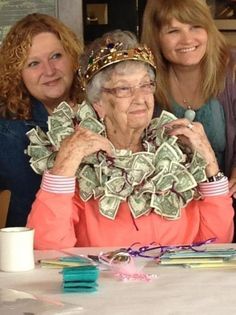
column 99, row 108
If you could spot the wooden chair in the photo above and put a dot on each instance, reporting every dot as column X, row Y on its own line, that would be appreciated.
column 4, row 204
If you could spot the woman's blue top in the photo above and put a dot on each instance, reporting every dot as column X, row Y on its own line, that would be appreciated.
column 211, row 116
column 16, row 174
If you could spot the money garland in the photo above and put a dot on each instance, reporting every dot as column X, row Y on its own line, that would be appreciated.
column 163, row 178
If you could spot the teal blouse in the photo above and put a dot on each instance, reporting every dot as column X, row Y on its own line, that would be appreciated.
column 211, row 116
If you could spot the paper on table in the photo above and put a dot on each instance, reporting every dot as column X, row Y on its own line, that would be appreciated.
column 14, row 302
column 72, row 261
column 181, row 261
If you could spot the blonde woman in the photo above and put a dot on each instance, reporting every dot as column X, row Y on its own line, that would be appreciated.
column 196, row 77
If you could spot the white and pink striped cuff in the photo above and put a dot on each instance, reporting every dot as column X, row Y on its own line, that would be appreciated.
column 220, row 187
column 58, row 184
column 62, row 184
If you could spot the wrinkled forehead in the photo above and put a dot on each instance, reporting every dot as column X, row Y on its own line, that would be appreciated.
column 130, row 71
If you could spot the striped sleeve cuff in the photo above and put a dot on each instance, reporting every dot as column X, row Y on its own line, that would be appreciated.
column 220, row 187
column 58, row 184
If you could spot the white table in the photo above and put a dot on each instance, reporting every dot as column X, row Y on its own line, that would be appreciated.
column 176, row 291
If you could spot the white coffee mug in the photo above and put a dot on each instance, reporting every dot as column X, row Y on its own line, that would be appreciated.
column 16, row 249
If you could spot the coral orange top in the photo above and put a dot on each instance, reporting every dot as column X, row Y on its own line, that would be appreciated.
column 61, row 220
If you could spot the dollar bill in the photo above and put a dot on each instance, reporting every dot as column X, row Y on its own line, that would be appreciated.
column 38, row 151
column 167, row 205
column 118, row 186
column 167, row 182
column 185, row 182
column 40, row 165
column 85, row 110
column 108, row 206
column 165, row 118
column 86, row 189
column 42, row 136
column 147, row 188
column 167, row 152
column 187, row 196
column 138, row 205
column 66, row 108
column 51, row 160
column 200, row 175
column 98, row 192
column 35, row 138
column 197, row 162
column 143, row 161
column 88, row 174
column 54, row 123
column 135, row 177
column 176, row 167
column 92, row 124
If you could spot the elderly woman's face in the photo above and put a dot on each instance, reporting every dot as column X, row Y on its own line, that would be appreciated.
column 127, row 99
column 48, row 71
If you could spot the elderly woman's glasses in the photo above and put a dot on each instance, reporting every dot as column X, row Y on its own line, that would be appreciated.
column 127, row 91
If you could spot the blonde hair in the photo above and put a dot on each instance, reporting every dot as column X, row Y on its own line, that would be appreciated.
column 15, row 99
column 214, row 63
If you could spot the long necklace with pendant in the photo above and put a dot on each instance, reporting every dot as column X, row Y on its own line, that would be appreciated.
column 189, row 114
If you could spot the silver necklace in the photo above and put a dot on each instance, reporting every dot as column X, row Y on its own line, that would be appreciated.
column 189, row 114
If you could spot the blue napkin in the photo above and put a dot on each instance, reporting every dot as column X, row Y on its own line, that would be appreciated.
column 80, row 279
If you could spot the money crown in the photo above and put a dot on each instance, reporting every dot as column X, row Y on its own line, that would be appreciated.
column 113, row 53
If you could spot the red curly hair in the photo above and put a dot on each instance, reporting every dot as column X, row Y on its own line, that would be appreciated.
column 15, row 99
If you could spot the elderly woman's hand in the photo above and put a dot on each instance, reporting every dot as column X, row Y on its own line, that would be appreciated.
column 74, row 148
column 193, row 135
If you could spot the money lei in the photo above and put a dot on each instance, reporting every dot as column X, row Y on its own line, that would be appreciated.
column 163, row 178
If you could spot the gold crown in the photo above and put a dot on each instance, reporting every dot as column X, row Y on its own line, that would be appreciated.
column 111, row 54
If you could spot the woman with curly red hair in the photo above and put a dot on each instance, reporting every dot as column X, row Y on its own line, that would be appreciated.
column 38, row 65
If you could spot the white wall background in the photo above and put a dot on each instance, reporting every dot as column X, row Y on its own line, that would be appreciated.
column 71, row 13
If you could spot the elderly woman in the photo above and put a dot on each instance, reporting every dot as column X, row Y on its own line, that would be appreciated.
column 137, row 177
column 38, row 67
